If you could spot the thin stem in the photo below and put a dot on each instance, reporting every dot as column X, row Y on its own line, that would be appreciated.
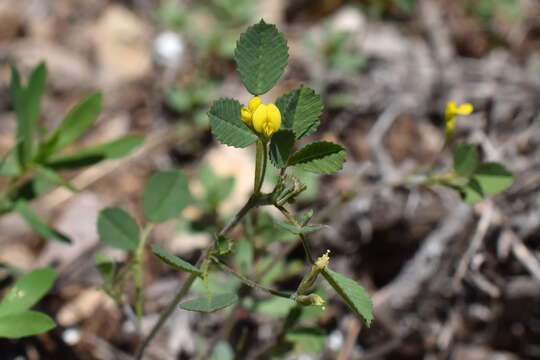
column 261, row 159
column 249, row 282
column 293, row 221
column 254, row 201
column 169, row 310
column 138, row 263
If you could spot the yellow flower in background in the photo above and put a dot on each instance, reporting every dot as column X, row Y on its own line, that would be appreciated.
column 451, row 112
column 263, row 118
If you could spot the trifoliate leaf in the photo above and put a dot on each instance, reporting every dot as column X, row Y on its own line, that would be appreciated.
column 319, row 157
column 352, row 293
column 301, row 111
column 227, row 126
column 261, row 56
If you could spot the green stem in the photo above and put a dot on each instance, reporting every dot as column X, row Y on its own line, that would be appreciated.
column 13, row 184
column 293, row 221
column 249, row 282
column 138, row 263
column 254, row 201
column 261, row 159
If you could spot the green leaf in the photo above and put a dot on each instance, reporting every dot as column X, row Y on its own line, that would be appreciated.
column 493, row 177
column 299, row 229
column 74, row 125
column 25, row 323
column 222, row 351
column 93, row 155
column 301, row 111
column 27, row 291
column 217, row 189
column 165, row 195
column 27, row 104
column 174, row 261
column 106, row 267
column 307, row 340
column 9, row 165
column 223, row 245
column 210, row 304
column 53, row 178
column 472, row 192
column 261, row 56
column 118, row 229
column 227, row 126
column 276, row 307
column 320, row 157
column 352, row 293
column 465, row 159
column 281, row 147
column 243, row 255
column 39, row 226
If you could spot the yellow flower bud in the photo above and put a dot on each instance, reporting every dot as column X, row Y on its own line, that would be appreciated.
column 266, row 119
column 307, row 282
column 450, row 115
column 246, row 115
column 310, row 300
column 254, row 103
column 322, row 261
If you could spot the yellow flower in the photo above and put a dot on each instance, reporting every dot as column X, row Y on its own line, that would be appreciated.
column 266, row 119
column 254, row 103
column 246, row 116
column 450, row 115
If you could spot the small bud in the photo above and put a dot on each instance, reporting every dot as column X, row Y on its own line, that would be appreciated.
column 310, row 300
column 309, row 279
column 246, row 116
column 322, row 262
column 254, row 103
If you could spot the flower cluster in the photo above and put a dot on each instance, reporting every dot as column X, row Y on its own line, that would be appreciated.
column 265, row 119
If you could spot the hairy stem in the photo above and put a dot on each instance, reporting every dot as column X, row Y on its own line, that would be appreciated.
column 254, row 201
column 249, row 282
column 138, row 263
column 293, row 221
column 260, row 166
